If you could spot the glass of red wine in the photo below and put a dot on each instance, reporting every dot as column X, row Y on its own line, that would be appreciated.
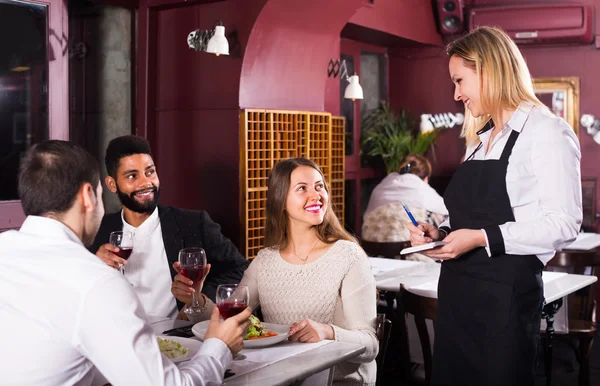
column 231, row 300
column 123, row 240
column 193, row 264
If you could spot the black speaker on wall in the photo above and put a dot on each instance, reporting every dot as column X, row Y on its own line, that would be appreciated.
column 450, row 16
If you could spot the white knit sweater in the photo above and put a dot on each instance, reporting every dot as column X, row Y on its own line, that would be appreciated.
column 337, row 289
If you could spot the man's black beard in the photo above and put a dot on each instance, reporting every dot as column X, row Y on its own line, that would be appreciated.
column 129, row 202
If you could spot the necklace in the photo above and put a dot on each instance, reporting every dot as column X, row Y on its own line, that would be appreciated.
column 303, row 260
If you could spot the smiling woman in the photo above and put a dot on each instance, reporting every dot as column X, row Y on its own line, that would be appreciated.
column 312, row 276
column 512, row 203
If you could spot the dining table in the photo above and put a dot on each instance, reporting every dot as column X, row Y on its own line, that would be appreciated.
column 422, row 279
column 286, row 363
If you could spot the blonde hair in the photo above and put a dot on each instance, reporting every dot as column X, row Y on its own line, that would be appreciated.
column 276, row 229
column 504, row 79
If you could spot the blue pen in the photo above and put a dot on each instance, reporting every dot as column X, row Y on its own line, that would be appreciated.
column 415, row 223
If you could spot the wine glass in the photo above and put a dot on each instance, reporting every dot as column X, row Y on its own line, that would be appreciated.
column 123, row 240
column 231, row 300
column 193, row 264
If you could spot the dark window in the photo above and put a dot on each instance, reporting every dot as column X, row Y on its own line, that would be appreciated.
column 373, row 79
column 23, row 86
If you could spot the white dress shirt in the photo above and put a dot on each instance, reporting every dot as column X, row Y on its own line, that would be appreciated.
column 408, row 189
column 148, row 269
column 543, row 182
column 65, row 315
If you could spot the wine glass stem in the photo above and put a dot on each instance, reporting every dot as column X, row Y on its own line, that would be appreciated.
column 195, row 302
column 122, row 270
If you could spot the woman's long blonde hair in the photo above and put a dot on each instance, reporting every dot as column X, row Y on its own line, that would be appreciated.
column 276, row 230
column 504, row 79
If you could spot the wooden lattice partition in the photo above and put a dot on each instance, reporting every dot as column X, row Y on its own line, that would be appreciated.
column 267, row 136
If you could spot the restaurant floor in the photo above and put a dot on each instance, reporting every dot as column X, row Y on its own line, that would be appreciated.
column 565, row 369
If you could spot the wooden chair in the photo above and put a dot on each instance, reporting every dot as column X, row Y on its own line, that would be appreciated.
column 421, row 308
column 384, row 327
column 582, row 307
column 588, row 201
column 389, row 250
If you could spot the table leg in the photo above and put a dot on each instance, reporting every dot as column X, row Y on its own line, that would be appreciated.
column 389, row 300
column 548, row 312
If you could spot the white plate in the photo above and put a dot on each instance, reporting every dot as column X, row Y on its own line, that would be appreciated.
column 282, row 330
column 192, row 345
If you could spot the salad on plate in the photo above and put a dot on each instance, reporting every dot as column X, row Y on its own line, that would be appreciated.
column 257, row 330
column 172, row 349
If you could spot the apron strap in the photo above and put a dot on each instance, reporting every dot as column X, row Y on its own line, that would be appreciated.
column 509, row 145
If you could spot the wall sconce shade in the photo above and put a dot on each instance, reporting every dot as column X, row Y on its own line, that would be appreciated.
column 211, row 41
column 592, row 126
column 218, row 44
column 353, row 91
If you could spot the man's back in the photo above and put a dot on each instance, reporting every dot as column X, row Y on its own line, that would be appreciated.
column 64, row 314
column 45, row 284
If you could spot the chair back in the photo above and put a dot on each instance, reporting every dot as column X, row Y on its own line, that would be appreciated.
column 388, row 250
column 422, row 308
column 588, row 201
column 384, row 328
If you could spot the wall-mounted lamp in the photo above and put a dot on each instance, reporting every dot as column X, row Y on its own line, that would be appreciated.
column 592, row 126
column 429, row 122
column 212, row 41
column 353, row 91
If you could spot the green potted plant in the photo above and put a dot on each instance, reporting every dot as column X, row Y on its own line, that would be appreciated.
column 392, row 136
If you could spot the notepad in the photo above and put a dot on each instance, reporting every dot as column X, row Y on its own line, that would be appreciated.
column 423, row 247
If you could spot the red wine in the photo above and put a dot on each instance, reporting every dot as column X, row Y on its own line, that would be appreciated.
column 124, row 253
column 193, row 272
column 229, row 309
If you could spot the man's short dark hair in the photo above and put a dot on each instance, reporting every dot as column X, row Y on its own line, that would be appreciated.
column 51, row 174
column 121, row 147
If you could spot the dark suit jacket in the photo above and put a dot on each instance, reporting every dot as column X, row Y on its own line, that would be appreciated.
column 183, row 228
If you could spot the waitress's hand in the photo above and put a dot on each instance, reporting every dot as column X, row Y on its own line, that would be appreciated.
column 424, row 234
column 459, row 242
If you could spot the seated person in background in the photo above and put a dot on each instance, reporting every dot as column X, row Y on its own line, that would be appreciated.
column 159, row 232
column 68, row 318
column 385, row 218
column 312, row 275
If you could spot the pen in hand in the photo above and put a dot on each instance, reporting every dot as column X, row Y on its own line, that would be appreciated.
column 412, row 219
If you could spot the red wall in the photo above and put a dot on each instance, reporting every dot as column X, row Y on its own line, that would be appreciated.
column 196, row 110
column 280, row 63
column 285, row 63
column 419, row 82
column 410, row 19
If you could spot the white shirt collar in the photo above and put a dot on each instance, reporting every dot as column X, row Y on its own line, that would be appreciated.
column 48, row 227
column 146, row 227
column 516, row 121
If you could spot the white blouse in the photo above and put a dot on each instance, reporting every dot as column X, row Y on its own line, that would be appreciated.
column 543, row 181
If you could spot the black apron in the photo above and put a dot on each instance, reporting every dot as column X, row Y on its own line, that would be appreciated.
column 489, row 308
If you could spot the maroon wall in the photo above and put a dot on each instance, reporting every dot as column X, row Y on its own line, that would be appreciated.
column 412, row 19
column 419, row 82
column 280, row 63
column 285, row 62
column 196, row 109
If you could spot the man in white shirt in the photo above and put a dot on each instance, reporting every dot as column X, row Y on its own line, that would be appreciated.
column 67, row 317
